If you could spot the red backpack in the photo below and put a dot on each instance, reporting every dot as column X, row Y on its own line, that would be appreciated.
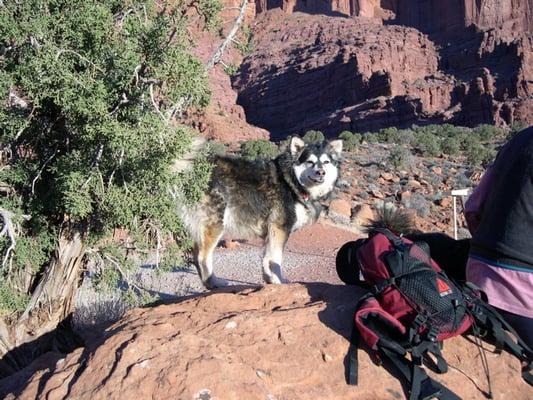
column 411, row 308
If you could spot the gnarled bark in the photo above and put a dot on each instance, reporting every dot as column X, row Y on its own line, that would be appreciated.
column 51, row 302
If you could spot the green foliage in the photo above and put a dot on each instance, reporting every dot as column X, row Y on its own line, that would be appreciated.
column 313, row 137
column 261, row 148
column 427, row 144
column 487, row 133
column 11, row 299
column 370, row 137
column 217, row 148
column 400, row 157
column 245, row 44
column 231, row 69
column 451, row 146
column 515, row 128
column 478, row 154
column 388, row 135
column 350, row 140
column 89, row 90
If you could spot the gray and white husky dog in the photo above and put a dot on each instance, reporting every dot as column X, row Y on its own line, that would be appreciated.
column 266, row 199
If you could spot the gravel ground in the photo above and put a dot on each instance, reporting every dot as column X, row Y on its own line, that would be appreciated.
column 309, row 257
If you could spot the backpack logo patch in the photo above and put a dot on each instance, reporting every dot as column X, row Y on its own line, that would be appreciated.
column 443, row 288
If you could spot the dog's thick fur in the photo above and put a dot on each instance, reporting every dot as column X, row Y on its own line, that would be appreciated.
column 266, row 199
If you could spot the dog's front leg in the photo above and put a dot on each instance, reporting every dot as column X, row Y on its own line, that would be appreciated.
column 275, row 242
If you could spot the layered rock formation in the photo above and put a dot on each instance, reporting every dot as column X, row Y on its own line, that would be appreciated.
column 429, row 16
column 224, row 120
column 278, row 342
column 331, row 73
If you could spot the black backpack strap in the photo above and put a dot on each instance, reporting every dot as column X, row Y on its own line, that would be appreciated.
column 353, row 361
column 420, row 385
column 486, row 316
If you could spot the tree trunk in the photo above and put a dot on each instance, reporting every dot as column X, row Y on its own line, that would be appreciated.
column 52, row 301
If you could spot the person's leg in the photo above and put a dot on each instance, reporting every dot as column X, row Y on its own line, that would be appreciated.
column 522, row 325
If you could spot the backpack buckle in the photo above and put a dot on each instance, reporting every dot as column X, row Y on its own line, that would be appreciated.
column 432, row 334
column 379, row 287
column 420, row 321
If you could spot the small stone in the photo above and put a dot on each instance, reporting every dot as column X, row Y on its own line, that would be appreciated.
column 444, row 202
column 414, row 183
column 377, row 194
column 340, row 211
column 231, row 325
column 387, row 176
column 436, row 170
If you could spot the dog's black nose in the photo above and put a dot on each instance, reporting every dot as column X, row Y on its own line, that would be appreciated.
column 321, row 172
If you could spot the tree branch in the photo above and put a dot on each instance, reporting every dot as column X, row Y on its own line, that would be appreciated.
column 9, row 230
column 41, row 171
column 62, row 51
column 124, row 276
column 218, row 54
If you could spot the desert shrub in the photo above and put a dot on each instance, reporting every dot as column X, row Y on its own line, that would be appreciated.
column 388, row 135
column 92, row 93
column 488, row 133
column 231, row 69
column 261, row 148
column 400, row 157
column 516, row 127
column 427, row 144
column 418, row 203
column 313, row 137
column 350, row 140
column 451, row 145
column 217, row 148
column 370, row 137
column 245, row 43
column 478, row 154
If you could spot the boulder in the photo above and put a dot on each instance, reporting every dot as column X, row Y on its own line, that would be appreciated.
column 274, row 342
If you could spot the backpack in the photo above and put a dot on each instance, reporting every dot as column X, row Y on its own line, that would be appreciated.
column 411, row 308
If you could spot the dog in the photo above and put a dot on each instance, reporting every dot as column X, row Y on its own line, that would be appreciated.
column 265, row 199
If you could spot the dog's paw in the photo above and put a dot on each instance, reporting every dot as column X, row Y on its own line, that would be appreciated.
column 215, row 282
column 274, row 279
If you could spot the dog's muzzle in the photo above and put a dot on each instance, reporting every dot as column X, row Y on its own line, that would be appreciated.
column 318, row 176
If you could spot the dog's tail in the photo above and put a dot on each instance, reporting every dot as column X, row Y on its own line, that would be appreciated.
column 388, row 216
column 185, row 162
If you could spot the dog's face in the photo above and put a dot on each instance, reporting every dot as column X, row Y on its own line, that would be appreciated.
column 316, row 166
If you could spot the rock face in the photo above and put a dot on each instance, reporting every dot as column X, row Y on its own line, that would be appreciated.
column 278, row 342
column 224, row 120
column 428, row 16
column 331, row 73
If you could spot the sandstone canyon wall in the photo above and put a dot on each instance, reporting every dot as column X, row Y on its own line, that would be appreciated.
column 369, row 64
column 429, row 16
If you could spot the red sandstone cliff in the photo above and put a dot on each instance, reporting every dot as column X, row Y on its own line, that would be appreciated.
column 330, row 73
column 368, row 64
column 429, row 16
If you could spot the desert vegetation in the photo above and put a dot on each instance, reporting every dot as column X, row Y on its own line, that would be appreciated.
column 92, row 97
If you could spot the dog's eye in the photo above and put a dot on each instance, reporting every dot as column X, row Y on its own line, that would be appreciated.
column 310, row 163
column 326, row 162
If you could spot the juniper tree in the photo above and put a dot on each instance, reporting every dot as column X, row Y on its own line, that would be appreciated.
column 89, row 95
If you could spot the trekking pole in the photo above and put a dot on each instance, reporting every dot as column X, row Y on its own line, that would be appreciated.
column 456, row 193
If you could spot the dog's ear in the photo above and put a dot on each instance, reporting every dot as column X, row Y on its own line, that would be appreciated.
column 336, row 147
column 296, row 145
